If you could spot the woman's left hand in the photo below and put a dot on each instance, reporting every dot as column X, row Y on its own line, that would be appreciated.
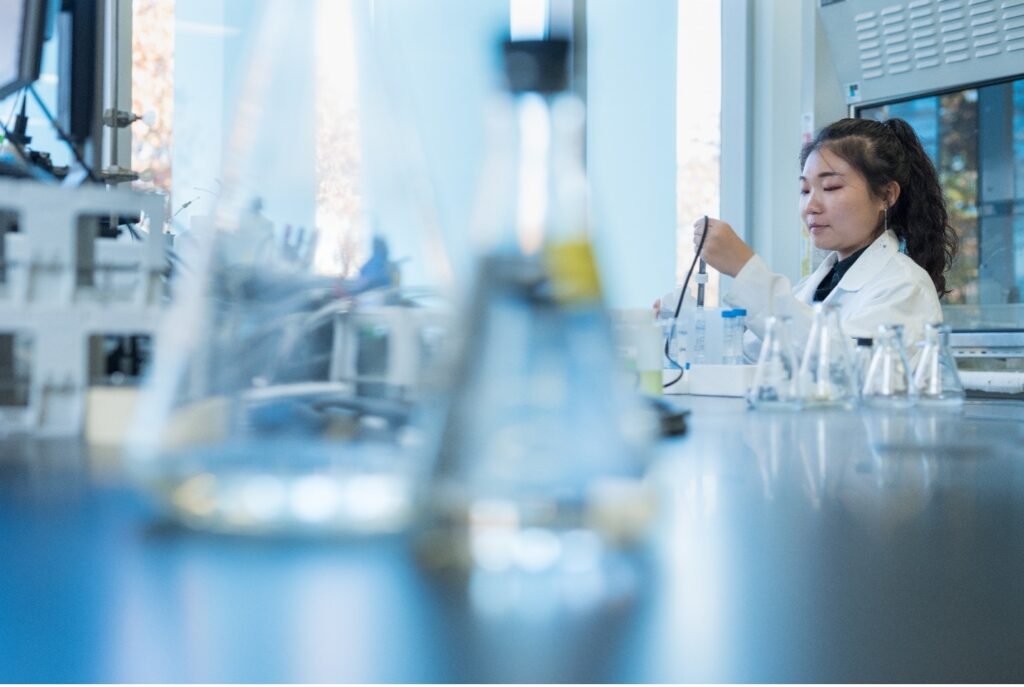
column 723, row 249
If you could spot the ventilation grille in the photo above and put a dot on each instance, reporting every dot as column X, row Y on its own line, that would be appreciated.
column 933, row 40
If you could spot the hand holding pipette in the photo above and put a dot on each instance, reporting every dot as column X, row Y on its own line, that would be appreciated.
column 722, row 249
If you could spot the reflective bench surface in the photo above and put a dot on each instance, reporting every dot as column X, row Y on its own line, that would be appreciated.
column 812, row 546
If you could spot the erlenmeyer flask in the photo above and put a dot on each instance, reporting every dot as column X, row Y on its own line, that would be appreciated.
column 287, row 387
column 935, row 379
column 775, row 379
column 827, row 374
column 541, row 438
column 887, row 382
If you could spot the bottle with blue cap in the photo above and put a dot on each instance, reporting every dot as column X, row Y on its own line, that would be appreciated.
column 734, row 325
column 728, row 336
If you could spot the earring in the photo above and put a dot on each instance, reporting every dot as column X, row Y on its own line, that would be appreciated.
column 885, row 217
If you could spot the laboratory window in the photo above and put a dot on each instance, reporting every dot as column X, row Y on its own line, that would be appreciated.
column 698, row 126
column 968, row 133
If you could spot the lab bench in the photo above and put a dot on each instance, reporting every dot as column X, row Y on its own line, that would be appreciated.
column 814, row 546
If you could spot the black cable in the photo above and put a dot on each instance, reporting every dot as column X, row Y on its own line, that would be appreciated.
column 679, row 306
column 24, row 96
column 64, row 137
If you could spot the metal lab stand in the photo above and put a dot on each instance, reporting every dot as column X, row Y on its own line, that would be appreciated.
column 61, row 285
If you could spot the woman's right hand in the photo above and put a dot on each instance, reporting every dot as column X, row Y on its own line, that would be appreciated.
column 724, row 250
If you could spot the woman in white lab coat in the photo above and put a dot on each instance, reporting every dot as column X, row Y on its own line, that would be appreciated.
column 870, row 194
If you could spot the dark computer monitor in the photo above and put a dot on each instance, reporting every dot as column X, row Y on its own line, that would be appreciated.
column 22, row 26
column 80, row 68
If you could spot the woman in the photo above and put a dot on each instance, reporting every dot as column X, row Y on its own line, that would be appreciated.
column 870, row 194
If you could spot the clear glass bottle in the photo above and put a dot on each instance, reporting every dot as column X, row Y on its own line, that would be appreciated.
column 740, row 319
column 699, row 328
column 675, row 330
column 541, row 442
column 679, row 335
column 728, row 337
column 936, row 380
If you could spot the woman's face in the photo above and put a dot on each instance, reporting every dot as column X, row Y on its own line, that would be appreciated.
column 836, row 205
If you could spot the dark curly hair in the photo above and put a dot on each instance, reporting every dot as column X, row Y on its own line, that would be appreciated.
column 890, row 151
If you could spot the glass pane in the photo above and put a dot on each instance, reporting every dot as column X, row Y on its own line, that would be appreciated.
column 958, row 174
column 968, row 135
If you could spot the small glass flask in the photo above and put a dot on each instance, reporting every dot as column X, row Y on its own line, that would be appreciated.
column 887, row 382
column 827, row 375
column 775, row 379
column 935, row 379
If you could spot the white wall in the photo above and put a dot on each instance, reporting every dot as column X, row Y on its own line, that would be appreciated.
column 821, row 100
column 777, row 73
column 791, row 91
column 631, row 149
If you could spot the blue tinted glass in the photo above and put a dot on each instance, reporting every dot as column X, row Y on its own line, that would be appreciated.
column 1018, row 245
column 923, row 115
column 1018, row 143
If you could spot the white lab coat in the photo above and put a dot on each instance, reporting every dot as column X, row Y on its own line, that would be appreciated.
column 883, row 286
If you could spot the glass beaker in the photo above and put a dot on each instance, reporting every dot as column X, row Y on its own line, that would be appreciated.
column 827, row 375
column 887, row 382
column 936, row 380
column 775, row 379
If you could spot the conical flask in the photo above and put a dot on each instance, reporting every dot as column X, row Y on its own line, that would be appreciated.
column 827, row 374
column 936, row 380
column 887, row 382
column 542, row 439
column 775, row 384
column 284, row 396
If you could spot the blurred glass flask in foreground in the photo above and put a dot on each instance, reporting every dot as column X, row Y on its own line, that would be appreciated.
column 286, row 398
column 542, row 460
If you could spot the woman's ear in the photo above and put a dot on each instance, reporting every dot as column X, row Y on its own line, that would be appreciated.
column 892, row 193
